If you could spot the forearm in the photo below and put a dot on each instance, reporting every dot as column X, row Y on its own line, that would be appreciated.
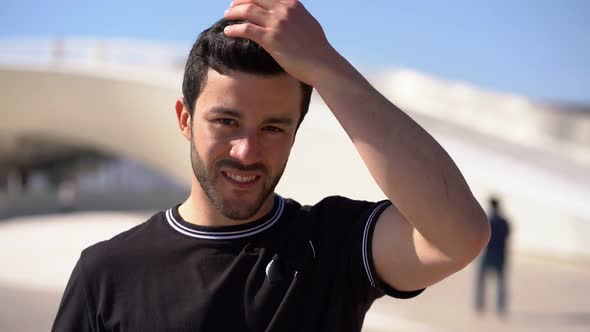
column 407, row 163
column 409, row 166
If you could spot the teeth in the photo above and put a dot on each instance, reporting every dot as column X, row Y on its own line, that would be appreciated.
column 242, row 179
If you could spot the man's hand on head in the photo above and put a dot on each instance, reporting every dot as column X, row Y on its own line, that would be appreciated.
column 287, row 31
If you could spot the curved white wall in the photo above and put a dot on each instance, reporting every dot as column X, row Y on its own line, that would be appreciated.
column 130, row 112
column 129, row 117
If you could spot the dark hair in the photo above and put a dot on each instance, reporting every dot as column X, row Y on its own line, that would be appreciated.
column 213, row 49
column 494, row 202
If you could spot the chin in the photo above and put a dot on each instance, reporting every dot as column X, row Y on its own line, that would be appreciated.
column 242, row 207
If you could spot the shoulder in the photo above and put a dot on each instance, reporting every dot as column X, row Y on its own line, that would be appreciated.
column 335, row 202
column 337, row 217
column 123, row 247
column 344, row 208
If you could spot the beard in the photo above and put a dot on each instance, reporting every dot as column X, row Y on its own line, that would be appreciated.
column 232, row 208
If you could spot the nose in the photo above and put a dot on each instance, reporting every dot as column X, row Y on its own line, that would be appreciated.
column 246, row 149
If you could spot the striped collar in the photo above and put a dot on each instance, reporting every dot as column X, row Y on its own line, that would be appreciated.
column 226, row 232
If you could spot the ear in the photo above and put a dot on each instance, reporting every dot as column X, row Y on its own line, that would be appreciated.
column 184, row 118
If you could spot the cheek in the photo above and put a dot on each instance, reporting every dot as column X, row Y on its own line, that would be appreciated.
column 215, row 150
column 278, row 155
column 210, row 148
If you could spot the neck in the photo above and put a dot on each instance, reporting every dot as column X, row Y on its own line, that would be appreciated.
column 198, row 209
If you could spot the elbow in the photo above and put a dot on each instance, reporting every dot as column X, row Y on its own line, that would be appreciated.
column 478, row 235
column 474, row 238
column 484, row 231
column 481, row 239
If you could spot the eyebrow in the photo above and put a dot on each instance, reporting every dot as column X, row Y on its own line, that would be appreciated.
column 226, row 111
column 279, row 120
column 272, row 120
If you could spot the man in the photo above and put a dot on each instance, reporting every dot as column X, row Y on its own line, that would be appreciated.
column 235, row 256
column 494, row 260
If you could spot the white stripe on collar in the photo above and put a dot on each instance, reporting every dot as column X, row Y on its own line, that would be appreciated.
column 226, row 235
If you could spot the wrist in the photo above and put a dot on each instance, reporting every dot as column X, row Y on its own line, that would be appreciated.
column 335, row 73
column 329, row 67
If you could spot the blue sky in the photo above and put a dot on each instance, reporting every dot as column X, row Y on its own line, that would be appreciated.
column 539, row 49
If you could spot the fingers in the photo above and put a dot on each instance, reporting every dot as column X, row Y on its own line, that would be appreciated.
column 258, row 19
column 245, row 30
column 266, row 4
column 249, row 12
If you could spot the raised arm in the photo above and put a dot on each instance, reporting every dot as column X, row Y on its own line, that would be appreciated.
column 435, row 226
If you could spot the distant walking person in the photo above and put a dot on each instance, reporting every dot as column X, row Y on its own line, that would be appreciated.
column 494, row 259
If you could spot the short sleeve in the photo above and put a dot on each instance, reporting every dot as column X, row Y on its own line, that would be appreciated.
column 74, row 313
column 349, row 225
column 367, row 256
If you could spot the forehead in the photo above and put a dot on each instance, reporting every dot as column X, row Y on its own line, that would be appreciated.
column 251, row 93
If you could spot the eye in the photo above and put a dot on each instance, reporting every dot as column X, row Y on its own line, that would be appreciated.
column 226, row 122
column 273, row 129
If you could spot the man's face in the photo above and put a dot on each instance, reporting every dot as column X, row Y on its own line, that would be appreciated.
column 243, row 128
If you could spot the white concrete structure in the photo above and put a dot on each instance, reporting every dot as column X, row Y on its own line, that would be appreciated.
column 119, row 97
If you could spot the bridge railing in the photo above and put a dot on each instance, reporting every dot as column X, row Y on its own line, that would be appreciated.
column 79, row 51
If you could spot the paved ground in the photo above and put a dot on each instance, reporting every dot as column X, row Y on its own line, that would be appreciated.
column 545, row 296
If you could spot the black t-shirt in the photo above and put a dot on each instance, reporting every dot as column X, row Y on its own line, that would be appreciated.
column 296, row 269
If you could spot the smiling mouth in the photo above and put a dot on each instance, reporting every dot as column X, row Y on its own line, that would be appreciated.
column 240, row 179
